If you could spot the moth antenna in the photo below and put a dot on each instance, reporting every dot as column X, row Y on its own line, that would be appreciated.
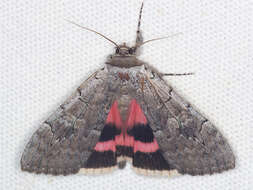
column 180, row 33
column 139, row 20
column 176, row 74
column 93, row 31
column 139, row 38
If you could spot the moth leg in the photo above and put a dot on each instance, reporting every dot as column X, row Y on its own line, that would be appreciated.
column 176, row 74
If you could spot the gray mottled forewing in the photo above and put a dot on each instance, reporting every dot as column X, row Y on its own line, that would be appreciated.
column 189, row 142
column 63, row 143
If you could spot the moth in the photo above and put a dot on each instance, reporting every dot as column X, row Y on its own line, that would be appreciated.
column 127, row 112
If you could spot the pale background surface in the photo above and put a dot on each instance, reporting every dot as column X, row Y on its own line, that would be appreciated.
column 44, row 58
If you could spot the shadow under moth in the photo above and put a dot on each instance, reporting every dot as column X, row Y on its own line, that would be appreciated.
column 127, row 112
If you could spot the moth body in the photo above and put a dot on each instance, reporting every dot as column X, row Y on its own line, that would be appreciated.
column 126, row 111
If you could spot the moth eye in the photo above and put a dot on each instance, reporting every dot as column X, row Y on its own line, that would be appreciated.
column 117, row 51
column 130, row 51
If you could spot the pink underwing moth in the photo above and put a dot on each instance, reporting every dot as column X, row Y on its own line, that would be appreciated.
column 127, row 112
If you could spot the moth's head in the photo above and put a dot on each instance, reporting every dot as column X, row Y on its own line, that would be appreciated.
column 124, row 51
column 124, row 56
